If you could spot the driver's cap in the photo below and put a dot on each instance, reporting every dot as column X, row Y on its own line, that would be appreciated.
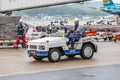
column 76, row 19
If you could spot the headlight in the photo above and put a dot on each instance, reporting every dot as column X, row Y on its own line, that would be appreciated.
column 33, row 47
column 41, row 47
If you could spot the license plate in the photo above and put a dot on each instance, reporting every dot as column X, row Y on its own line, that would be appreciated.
column 32, row 52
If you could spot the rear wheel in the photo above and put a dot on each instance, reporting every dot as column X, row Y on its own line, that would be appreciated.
column 54, row 55
column 87, row 51
column 38, row 58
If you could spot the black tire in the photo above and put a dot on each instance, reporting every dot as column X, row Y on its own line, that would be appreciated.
column 54, row 55
column 89, row 54
column 38, row 58
column 110, row 38
column 23, row 45
column 105, row 39
column 70, row 56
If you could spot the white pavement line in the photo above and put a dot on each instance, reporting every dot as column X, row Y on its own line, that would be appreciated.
column 2, row 75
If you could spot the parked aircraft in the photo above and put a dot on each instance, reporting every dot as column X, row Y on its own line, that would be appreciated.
column 110, row 7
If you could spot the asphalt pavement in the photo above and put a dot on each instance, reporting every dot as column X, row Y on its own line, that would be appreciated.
column 109, row 72
column 106, row 62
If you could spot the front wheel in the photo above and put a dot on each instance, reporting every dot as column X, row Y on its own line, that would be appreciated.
column 54, row 55
column 87, row 51
column 38, row 58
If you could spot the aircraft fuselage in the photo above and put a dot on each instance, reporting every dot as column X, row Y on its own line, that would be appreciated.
column 111, row 9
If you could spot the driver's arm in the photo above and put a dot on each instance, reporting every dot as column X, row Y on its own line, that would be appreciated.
column 80, row 30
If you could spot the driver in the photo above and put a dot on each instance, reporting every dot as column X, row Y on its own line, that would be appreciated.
column 77, row 33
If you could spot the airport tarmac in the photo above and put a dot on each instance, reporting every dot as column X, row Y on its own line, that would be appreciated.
column 107, row 72
column 16, row 61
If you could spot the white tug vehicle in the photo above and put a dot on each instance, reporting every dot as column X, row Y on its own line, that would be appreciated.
column 55, row 47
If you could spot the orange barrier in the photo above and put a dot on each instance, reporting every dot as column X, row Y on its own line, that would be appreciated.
column 116, row 37
column 91, row 33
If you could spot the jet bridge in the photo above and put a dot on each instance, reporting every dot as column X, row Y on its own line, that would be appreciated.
column 16, row 5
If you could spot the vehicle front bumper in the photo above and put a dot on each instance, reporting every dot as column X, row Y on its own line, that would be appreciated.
column 37, row 53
